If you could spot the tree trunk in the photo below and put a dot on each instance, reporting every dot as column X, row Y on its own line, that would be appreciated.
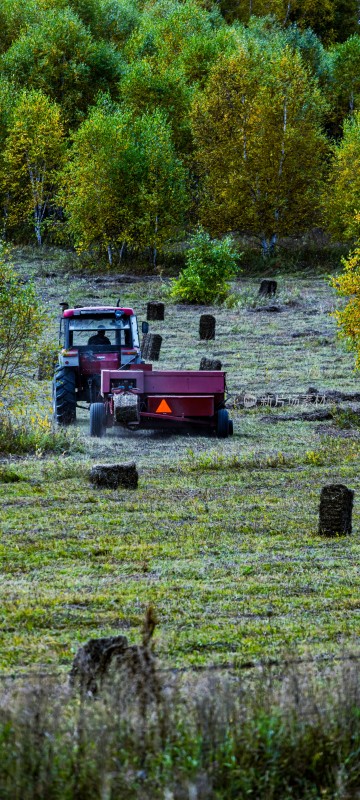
column 38, row 230
column 121, row 251
column 268, row 245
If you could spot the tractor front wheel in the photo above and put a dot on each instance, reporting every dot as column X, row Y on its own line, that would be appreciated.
column 223, row 423
column 64, row 396
column 97, row 420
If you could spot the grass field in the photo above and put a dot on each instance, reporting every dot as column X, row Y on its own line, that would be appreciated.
column 221, row 536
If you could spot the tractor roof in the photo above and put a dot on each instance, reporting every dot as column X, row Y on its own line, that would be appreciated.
column 94, row 311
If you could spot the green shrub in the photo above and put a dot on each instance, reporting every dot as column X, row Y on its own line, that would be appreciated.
column 34, row 436
column 48, row 356
column 10, row 475
column 21, row 323
column 210, row 264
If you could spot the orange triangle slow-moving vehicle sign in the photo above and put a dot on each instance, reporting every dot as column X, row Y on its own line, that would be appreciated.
column 163, row 408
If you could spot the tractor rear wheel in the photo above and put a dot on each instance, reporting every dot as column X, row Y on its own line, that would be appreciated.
column 64, row 396
column 222, row 425
column 97, row 420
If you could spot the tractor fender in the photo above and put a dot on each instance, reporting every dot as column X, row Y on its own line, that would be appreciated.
column 69, row 358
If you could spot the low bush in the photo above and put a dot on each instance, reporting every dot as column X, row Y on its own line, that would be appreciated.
column 22, row 321
column 10, row 475
column 35, row 435
column 210, row 265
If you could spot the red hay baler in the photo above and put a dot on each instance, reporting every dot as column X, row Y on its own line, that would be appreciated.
column 139, row 397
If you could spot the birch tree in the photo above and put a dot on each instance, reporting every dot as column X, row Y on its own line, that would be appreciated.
column 123, row 183
column 331, row 20
column 344, row 83
column 21, row 324
column 59, row 57
column 33, row 155
column 15, row 15
column 341, row 197
column 259, row 145
column 348, row 286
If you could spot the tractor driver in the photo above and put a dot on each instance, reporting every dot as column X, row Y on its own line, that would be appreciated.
column 99, row 337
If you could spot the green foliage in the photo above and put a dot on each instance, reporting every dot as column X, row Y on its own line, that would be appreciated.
column 59, row 57
column 344, row 81
column 331, row 20
column 111, row 20
column 16, row 16
column 147, row 86
column 10, row 475
column 210, row 264
column 32, row 435
column 171, row 50
column 124, row 183
column 177, row 60
column 33, row 155
column 116, row 20
column 21, row 323
column 7, row 100
column 259, row 109
column 348, row 286
column 341, row 198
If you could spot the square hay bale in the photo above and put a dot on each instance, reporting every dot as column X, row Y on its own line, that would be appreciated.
column 335, row 512
column 111, row 476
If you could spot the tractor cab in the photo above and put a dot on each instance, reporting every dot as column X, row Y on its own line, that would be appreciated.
column 93, row 339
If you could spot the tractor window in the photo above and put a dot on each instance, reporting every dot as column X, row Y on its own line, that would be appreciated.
column 83, row 332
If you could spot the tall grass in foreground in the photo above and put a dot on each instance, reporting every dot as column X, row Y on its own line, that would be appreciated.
column 34, row 435
column 230, row 737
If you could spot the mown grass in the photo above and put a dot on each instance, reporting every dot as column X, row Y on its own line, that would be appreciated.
column 221, row 536
column 226, row 550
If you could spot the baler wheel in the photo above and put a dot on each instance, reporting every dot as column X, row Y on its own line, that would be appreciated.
column 97, row 420
column 231, row 427
column 64, row 396
column 222, row 425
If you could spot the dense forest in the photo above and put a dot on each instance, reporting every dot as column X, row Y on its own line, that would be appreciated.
column 123, row 124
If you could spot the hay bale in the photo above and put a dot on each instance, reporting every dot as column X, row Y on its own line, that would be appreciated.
column 268, row 288
column 126, row 408
column 151, row 346
column 210, row 364
column 335, row 512
column 155, row 311
column 102, row 662
column 92, row 661
column 111, row 476
column 207, row 327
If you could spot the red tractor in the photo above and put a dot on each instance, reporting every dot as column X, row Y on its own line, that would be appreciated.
column 101, row 365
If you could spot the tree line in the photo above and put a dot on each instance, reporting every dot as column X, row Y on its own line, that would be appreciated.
column 124, row 123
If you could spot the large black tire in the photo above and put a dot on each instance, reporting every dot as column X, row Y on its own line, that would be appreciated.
column 64, row 396
column 97, row 420
column 222, row 425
